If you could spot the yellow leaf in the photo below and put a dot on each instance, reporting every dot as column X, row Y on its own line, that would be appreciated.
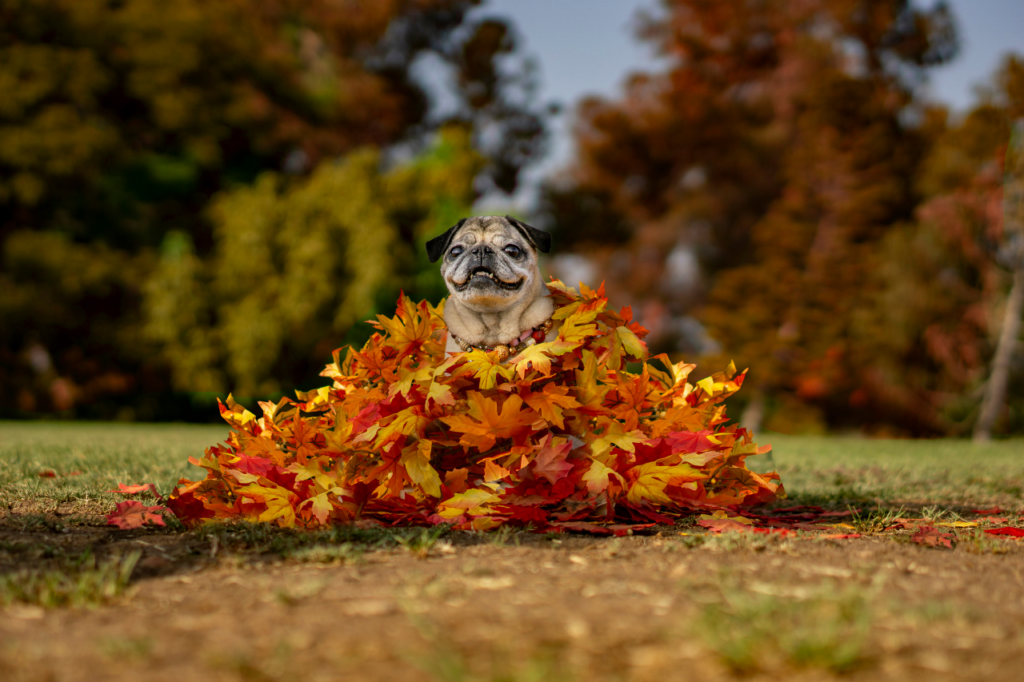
column 633, row 345
column 652, row 478
column 407, row 422
column 278, row 501
column 416, row 460
column 614, row 434
column 537, row 355
column 493, row 471
column 441, row 394
column 485, row 367
column 474, row 502
column 597, row 477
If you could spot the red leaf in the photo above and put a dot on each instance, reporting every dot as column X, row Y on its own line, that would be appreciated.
column 618, row 529
column 993, row 510
column 133, row 514
column 1006, row 530
column 722, row 525
column 550, row 462
column 690, row 441
column 840, row 536
column 47, row 473
column 933, row 537
column 135, row 489
column 188, row 508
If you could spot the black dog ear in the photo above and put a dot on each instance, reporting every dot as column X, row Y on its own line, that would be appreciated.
column 438, row 245
column 541, row 240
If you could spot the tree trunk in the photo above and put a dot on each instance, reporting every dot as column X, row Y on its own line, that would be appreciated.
column 995, row 391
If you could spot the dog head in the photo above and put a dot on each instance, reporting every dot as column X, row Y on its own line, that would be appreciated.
column 489, row 263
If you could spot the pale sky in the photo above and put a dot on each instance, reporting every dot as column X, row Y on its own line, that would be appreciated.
column 588, row 47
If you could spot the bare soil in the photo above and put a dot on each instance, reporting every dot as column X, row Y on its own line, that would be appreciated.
column 668, row 606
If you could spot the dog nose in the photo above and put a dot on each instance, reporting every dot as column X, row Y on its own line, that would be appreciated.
column 481, row 251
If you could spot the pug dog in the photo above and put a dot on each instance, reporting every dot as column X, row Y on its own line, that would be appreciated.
column 498, row 300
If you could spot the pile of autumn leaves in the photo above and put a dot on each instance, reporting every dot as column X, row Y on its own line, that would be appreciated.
column 561, row 437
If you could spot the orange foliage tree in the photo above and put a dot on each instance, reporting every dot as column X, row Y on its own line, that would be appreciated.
column 775, row 151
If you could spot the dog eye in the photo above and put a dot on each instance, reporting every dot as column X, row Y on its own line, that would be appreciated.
column 513, row 251
column 456, row 251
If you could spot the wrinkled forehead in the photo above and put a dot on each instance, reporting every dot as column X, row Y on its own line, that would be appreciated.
column 488, row 230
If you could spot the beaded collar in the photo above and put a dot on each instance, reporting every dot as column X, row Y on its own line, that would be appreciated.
column 517, row 345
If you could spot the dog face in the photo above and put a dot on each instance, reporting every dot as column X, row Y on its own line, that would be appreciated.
column 489, row 263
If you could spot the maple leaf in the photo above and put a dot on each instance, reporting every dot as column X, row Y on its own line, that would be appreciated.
column 590, row 391
column 551, row 401
column 1006, row 530
column 485, row 367
column 597, row 479
column 277, row 501
column 535, row 356
column 408, row 422
column 650, row 480
column 320, row 505
column 933, row 537
column 136, row 489
column 408, row 330
column 474, row 501
column 550, row 460
column 484, row 425
column 614, row 434
column 725, row 525
column 493, row 471
column 133, row 514
column 441, row 394
column 416, row 460
column 633, row 346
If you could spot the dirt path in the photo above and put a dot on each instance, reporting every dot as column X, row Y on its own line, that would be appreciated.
column 576, row 608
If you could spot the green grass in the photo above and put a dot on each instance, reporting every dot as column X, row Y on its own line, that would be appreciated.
column 839, row 471
column 832, row 471
column 752, row 632
column 106, row 454
column 82, row 582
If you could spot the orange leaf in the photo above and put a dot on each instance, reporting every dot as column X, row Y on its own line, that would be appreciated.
column 133, row 514
column 550, row 460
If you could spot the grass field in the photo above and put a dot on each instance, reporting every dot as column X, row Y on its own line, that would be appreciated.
column 233, row 602
column 829, row 471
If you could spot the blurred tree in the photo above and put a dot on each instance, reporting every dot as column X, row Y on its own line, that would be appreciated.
column 120, row 121
column 773, row 155
column 1010, row 255
column 294, row 267
column 942, row 302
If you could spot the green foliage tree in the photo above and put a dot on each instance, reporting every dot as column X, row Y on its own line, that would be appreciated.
column 297, row 265
column 120, row 122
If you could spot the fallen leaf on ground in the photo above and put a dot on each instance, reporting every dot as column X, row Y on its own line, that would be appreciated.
column 1006, row 530
column 135, row 489
column 723, row 525
column 993, row 510
column 840, row 536
column 133, row 514
column 48, row 473
column 957, row 524
column 993, row 519
column 933, row 537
